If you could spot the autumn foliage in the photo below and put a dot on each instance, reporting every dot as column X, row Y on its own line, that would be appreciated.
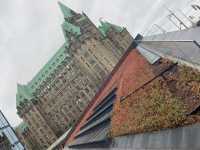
column 163, row 103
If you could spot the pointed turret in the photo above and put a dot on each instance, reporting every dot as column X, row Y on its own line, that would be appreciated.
column 105, row 26
column 22, row 94
column 67, row 12
column 75, row 30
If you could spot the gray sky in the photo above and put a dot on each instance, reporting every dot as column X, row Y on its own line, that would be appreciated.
column 30, row 34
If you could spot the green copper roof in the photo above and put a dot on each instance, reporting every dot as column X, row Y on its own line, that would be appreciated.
column 82, row 18
column 75, row 30
column 67, row 12
column 50, row 66
column 22, row 127
column 105, row 26
column 23, row 94
column 60, row 55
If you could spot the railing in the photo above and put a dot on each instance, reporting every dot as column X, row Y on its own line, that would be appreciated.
column 187, row 51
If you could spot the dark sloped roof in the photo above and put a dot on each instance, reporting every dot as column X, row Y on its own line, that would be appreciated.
column 188, row 51
column 96, row 127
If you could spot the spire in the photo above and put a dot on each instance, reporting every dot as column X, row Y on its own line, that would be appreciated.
column 67, row 12
column 22, row 94
column 75, row 30
column 105, row 26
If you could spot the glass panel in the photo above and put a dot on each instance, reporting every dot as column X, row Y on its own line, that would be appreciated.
column 9, row 133
column 151, row 57
column 185, row 50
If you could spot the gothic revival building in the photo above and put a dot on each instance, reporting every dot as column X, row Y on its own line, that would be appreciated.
column 55, row 98
column 4, row 143
column 26, row 137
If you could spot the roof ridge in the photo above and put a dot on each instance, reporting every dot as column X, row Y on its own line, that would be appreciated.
column 105, row 26
column 67, row 12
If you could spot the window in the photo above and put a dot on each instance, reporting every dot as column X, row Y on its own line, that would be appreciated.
column 64, row 81
column 91, row 61
column 87, row 90
column 41, row 141
column 61, row 94
column 78, row 87
column 87, row 65
column 86, row 54
column 82, row 59
column 82, row 94
column 42, row 132
column 90, row 51
column 91, row 86
column 70, row 115
column 56, row 88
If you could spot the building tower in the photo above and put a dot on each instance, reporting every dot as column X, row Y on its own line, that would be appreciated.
column 55, row 98
column 26, row 137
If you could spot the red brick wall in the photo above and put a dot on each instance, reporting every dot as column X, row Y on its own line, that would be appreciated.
column 132, row 65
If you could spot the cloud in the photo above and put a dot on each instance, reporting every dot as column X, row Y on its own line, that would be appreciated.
column 30, row 34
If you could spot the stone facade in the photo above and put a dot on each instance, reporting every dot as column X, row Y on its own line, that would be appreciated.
column 29, row 138
column 55, row 98
column 4, row 143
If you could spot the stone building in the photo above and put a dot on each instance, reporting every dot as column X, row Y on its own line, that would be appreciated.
column 55, row 98
column 26, row 137
column 4, row 143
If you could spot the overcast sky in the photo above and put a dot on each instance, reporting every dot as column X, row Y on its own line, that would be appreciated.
column 30, row 34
